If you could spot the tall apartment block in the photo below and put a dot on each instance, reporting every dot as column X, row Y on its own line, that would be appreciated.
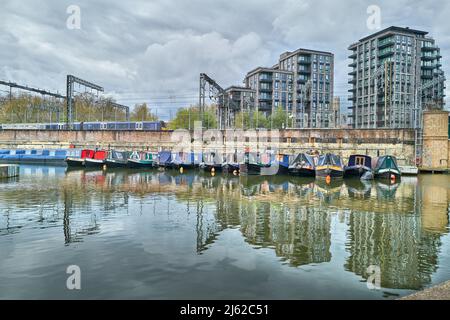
column 301, row 83
column 396, row 73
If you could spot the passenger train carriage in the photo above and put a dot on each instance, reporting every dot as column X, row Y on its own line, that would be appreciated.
column 89, row 126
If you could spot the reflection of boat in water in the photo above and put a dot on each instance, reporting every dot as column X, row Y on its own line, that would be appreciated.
column 252, row 185
column 386, row 190
column 330, row 165
column 358, row 189
column 386, row 168
column 329, row 191
column 358, row 165
column 303, row 166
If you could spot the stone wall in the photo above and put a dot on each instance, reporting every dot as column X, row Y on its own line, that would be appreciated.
column 435, row 141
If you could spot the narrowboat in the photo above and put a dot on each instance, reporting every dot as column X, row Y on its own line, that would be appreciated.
column 78, row 161
column 303, row 166
column 165, row 159
column 98, row 160
column 358, row 165
column 254, row 163
column 279, row 164
column 212, row 162
column 231, row 163
column 386, row 168
column 185, row 160
column 141, row 160
column 117, row 159
column 330, row 165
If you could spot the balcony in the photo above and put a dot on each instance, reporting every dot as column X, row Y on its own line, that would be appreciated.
column 386, row 42
column 429, row 48
column 352, row 73
column 385, row 53
column 304, row 71
column 428, row 67
column 428, row 57
column 304, row 60
column 353, row 55
column 352, row 80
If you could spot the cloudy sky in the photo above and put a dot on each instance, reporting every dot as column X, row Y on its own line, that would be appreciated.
column 153, row 51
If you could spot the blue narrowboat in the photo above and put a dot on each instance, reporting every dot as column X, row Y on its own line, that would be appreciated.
column 303, row 166
column 358, row 165
column 165, row 159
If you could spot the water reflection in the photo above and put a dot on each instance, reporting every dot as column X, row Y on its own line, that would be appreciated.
column 396, row 227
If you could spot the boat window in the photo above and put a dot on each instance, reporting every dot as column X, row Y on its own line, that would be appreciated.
column 322, row 160
column 360, row 161
column 335, row 160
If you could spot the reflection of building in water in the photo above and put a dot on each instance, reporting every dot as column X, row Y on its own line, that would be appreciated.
column 406, row 255
column 434, row 207
column 299, row 234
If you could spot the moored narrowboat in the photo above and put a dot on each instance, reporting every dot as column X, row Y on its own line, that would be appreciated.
column 386, row 168
column 117, row 159
column 231, row 163
column 330, row 165
column 358, row 165
column 254, row 164
column 141, row 160
column 98, row 160
column 74, row 161
column 185, row 160
column 212, row 162
column 165, row 159
column 303, row 166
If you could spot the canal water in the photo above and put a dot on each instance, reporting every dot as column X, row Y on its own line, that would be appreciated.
column 163, row 235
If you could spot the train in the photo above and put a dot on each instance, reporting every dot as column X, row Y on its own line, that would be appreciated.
column 89, row 126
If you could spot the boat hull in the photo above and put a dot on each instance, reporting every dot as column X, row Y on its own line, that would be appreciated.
column 387, row 174
column 116, row 163
column 138, row 164
column 302, row 172
column 94, row 163
column 332, row 172
column 75, row 162
column 230, row 168
column 355, row 171
column 250, row 169
column 211, row 167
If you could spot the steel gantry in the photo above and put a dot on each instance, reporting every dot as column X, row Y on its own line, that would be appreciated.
column 71, row 80
column 226, row 107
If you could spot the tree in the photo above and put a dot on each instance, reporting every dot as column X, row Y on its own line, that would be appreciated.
column 278, row 119
column 185, row 118
column 142, row 112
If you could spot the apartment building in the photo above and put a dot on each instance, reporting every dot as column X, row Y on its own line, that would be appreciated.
column 395, row 74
